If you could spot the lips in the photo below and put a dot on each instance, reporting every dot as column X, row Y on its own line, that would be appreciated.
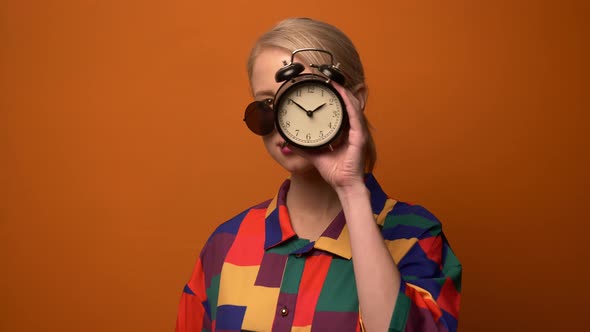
column 285, row 148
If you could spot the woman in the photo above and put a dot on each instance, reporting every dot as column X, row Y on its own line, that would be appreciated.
column 331, row 251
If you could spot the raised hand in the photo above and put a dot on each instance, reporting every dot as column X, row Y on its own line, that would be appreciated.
column 344, row 166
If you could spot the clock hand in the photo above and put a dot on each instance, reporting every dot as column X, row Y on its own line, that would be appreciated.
column 294, row 102
column 317, row 108
column 309, row 113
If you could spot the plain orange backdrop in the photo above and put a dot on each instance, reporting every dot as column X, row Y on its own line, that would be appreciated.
column 122, row 147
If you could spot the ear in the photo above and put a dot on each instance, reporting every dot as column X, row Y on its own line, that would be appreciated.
column 361, row 94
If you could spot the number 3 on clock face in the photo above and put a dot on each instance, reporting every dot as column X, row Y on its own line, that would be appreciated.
column 310, row 112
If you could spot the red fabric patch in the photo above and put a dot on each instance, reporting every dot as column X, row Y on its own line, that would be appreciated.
column 425, row 303
column 248, row 247
column 312, row 280
column 197, row 281
column 190, row 314
column 432, row 247
column 449, row 298
column 285, row 222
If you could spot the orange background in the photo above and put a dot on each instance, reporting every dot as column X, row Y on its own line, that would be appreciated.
column 123, row 146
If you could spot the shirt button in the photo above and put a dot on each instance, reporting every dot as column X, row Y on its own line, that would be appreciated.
column 284, row 312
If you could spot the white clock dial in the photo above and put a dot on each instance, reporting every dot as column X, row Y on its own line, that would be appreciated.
column 310, row 114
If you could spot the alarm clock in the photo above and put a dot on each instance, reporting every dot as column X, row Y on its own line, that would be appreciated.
column 308, row 112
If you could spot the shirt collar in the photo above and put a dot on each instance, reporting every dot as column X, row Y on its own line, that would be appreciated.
column 335, row 238
column 277, row 223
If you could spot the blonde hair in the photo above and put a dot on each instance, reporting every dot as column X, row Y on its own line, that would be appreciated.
column 296, row 33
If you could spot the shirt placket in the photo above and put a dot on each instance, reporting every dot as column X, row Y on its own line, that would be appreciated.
column 285, row 309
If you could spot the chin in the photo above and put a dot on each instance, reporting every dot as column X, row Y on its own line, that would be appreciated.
column 289, row 160
column 293, row 163
column 301, row 169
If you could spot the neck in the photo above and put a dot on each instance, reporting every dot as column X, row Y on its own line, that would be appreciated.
column 312, row 204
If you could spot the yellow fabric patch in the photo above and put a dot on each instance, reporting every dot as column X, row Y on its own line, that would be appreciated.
column 389, row 204
column 399, row 248
column 425, row 294
column 236, row 287
column 271, row 207
column 339, row 246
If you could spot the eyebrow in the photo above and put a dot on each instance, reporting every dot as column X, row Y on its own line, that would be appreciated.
column 264, row 93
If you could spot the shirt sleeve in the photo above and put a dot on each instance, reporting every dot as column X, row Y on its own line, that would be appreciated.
column 429, row 295
column 192, row 315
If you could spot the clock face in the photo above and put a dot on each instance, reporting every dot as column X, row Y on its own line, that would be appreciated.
column 310, row 114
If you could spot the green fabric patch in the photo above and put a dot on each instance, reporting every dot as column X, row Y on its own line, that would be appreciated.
column 452, row 268
column 212, row 295
column 412, row 220
column 289, row 246
column 339, row 290
column 292, row 275
column 410, row 278
column 400, row 313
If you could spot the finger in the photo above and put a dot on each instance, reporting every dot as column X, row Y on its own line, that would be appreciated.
column 352, row 107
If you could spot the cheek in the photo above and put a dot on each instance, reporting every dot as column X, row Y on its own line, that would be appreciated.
column 269, row 140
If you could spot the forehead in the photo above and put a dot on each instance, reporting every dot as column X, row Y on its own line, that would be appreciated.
column 265, row 66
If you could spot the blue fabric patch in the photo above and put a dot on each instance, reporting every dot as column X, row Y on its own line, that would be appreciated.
column 402, row 232
column 231, row 226
column 416, row 264
column 188, row 290
column 305, row 249
column 449, row 320
column 207, row 307
column 431, row 285
column 404, row 208
column 230, row 317
column 273, row 234
column 378, row 196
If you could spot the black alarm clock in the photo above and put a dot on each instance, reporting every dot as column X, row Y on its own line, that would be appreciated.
column 308, row 112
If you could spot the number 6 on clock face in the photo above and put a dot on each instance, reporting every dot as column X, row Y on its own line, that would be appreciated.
column 310, row 112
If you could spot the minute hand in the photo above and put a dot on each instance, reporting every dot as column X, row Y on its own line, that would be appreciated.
column 309, row 113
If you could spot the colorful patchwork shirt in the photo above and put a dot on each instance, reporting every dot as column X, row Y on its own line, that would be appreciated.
column 255, row 274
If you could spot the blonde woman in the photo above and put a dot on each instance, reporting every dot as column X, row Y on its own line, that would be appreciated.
column 331, row 251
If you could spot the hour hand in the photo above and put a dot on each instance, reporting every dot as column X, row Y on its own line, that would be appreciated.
column 317, row 108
